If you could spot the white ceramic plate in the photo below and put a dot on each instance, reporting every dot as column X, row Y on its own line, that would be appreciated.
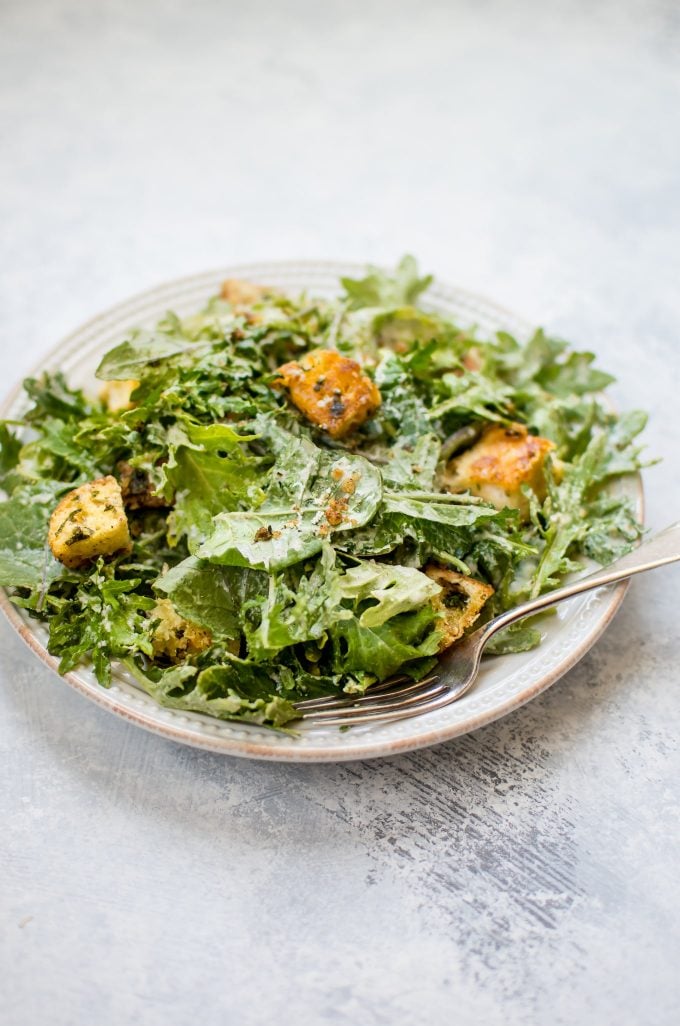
column 504, row 683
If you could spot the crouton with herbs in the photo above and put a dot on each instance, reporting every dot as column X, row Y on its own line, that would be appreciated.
column 331, row 390
column 175, row 638
column 460, row 602
column 242, row 293
column 117, row 395
column 497, row 466
column 89, row 522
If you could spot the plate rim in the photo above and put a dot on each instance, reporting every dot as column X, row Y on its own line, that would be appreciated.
column 291, row 752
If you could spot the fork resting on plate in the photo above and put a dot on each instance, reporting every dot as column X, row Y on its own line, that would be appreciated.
column 401, row 697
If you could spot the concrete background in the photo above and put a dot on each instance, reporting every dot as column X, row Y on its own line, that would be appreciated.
column 526, row 874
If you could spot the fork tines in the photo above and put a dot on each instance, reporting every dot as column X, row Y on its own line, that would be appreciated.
column 392, row 700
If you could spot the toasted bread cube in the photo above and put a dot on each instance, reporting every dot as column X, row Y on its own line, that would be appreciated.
column 330, row 389
column 496, row 467
column 472, row 360
column 460, row 602
column 116, row 395
column 137, row 490
column 174, row 637
column 89, row 522
column 242, row 293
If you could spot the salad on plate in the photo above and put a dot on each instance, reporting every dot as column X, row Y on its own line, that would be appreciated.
column 281, row 497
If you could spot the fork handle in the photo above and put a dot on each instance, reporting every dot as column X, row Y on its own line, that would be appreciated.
column 663, row 548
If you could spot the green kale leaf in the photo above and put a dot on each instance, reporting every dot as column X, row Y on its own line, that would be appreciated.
column 211, row 596
column 207, row 472
column 384, row 591
column 25, row 557
column 105, row 618
column 313, row 495
column 381, row 289
column 131, row 357
column 233, row 690
column 406, row 642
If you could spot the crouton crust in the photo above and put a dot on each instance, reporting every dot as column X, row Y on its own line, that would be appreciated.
column 136, row 488
column 174, row 637
column 460, row 602
column 331, row 390
column 242, row 293
column 496, row 467
column 116, row 395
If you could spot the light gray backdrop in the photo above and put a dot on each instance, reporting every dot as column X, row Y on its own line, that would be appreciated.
column 526, row 874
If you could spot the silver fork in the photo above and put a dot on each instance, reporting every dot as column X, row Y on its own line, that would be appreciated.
column 400, row 697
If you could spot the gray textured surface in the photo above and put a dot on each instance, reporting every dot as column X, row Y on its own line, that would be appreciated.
column 526, row 874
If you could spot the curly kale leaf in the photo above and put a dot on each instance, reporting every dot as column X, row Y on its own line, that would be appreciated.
column 105, row 618
column 406, row 642
column 10, row 450
column 435, row 526
column 576, row 514
column 53, row 397
column 382, row 591
column 381, row 289
column 233, row 690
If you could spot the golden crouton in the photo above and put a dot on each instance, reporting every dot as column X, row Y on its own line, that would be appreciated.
column 88, row 522
column 472, row 360
column 116, row 395
column 331, row 390
column 460, row 602
column 136, row 488
column 496, row 467
column 242, row 293
column 173, row 636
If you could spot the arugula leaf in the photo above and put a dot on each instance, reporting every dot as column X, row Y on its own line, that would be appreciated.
column 57, row 439
column 520, row 364
column 475, row 396
column 614, row 529
column 439, row 527
column 547, row 362
column 622, row 456
column 442, row 508
column 406, row 327
column 296, row 679
column 379, row 288
column 575, row 375
column 403, row 412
